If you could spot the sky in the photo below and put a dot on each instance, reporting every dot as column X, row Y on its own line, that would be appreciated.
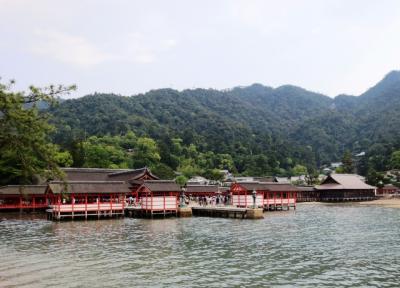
column 130, row 47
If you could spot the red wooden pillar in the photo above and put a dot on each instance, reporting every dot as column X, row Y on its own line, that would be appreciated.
column 164, row 201
column 147, row 202
column 20, row 202
column 73, row 204
column 288, row 199
column 98, row 205
column 151, row 202
column 86, row 206
column 33, row 202
column 59, row 206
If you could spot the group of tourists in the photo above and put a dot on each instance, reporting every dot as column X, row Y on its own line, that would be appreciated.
column 218, row 200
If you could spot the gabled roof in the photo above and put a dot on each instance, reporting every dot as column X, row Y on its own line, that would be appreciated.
column 265, row 179
column 306, row 188
column 344, row 182
column 223, row 189
column 202, row 188
column 160, row 186
column 23, row 190
column 85, row 187
column 89, row 174
column 103, row 174
column 282, row 180
column 136, row 174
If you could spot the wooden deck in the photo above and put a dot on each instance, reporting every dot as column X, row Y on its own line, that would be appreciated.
column 65, row 211
column 227, row 212
column 141, row 212
column 23, row 206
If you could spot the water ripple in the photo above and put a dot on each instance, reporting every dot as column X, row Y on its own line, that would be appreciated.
column 316, row 245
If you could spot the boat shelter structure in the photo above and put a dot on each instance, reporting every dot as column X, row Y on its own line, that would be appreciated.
column 27, row 197
column 158, row 197
column 269, row 195
column 345, row 187
column 307, row 194
column 86, row 199
column 202, row 190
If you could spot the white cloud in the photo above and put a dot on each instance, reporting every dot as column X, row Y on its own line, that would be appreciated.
column 75, row 50
column 79, row 51
column 144, row 48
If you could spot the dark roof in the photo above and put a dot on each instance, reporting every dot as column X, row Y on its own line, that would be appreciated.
column 133, row 174
column 265, row 179
column 161, row 186
column 103, row 174
column 89, row 187
column 202, row 188
column 89, row 174
column 344, row 182
column 306, row 188
column 23, row 190
column 268, row 186
column 223, row 189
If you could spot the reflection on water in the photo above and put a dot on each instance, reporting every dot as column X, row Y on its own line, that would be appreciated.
column 317, row 245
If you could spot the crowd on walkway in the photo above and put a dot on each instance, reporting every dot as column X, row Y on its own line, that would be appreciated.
column 218, row 200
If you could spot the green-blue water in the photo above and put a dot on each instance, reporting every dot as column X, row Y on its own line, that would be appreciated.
column 316, row 246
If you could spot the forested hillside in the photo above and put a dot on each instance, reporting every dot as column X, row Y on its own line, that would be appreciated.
column 260, row 129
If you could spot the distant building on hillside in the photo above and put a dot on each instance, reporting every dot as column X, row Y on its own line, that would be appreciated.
column 388, row 189
column 226, row 174
column 255, row 179
column 335, row 165
column 198, row 180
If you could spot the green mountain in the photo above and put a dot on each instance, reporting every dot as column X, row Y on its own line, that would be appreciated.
column 287, row 125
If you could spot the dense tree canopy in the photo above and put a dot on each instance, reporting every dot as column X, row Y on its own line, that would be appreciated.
column 253, row 130
column 25, row 148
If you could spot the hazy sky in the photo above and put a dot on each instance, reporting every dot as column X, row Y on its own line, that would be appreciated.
column 128, row 47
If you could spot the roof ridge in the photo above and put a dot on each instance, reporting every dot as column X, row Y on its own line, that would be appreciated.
column 87, row 181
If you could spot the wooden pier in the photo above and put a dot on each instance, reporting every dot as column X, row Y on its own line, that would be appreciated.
column 139, row 212
column 228, row 212
column 85, row 211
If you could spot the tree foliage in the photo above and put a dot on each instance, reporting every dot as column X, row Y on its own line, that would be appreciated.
column 25, row 148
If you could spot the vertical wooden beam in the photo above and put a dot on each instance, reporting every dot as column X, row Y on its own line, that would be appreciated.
column 151, row 204
column 111, row 206
column 85, row 206
column 73, row 204
column 59, row 207
column 164, row 203
column 98, row 206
